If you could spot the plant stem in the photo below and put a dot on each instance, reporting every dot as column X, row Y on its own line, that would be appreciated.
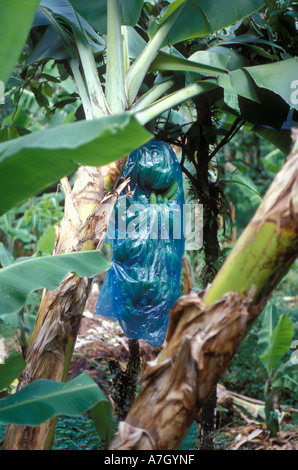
column 126, row 61
column 139, row 68
column 250, row 263
column 172, row 100
column 115, row 82
column 153, row 94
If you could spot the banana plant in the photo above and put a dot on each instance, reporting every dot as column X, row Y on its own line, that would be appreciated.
column 117, row 104
column 275, row 338
column 255, row 93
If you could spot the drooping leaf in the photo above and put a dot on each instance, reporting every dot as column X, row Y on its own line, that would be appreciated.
column 11, row 369
column 53, row 43
column 201, row 62
column 271, row 110
column 16, row 17
column 279, row 343
column 21, row 278
column 277, row 77
column 102, row 417
column 230, row 95
column 211, row 58
column 235, row 59
column 202, row 17
column 33, row 162
column 49, row 46
column 261, row 52
column 135, row 42
column 44, row 399
column 63, row 9
column 249, row 41
column 274, row 160
column 269, row 323
column 245, row 196
column 238, row 178
column 96, row 12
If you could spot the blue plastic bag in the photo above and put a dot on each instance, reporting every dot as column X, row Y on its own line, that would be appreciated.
column 142, row 285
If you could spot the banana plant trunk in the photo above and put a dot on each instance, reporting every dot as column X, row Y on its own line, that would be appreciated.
column 88, row 206
column 206, row 330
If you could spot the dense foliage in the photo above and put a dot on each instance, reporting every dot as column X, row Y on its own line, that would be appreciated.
column 208, row 82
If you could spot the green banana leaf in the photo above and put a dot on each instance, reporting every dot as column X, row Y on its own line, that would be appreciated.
column 244, row 85
column 271, row 110
column 277, row 77
column 21, row 278
column 202, row 17
column 102, row 417
column 95, row 12
column 16, row 17
column 275, row 340
column 269, row 323
column 207, row 63
column 44, row 399
column 56, row 43
column 62, row 9
column 235, row 59
column 33, row 162
column 11, row 369
column 281, row 139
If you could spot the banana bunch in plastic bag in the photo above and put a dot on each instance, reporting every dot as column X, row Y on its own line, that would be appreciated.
column 148, row 244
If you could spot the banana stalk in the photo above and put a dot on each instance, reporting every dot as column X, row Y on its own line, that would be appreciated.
column 88, row 207
column 206, row 330
column 87, row 211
